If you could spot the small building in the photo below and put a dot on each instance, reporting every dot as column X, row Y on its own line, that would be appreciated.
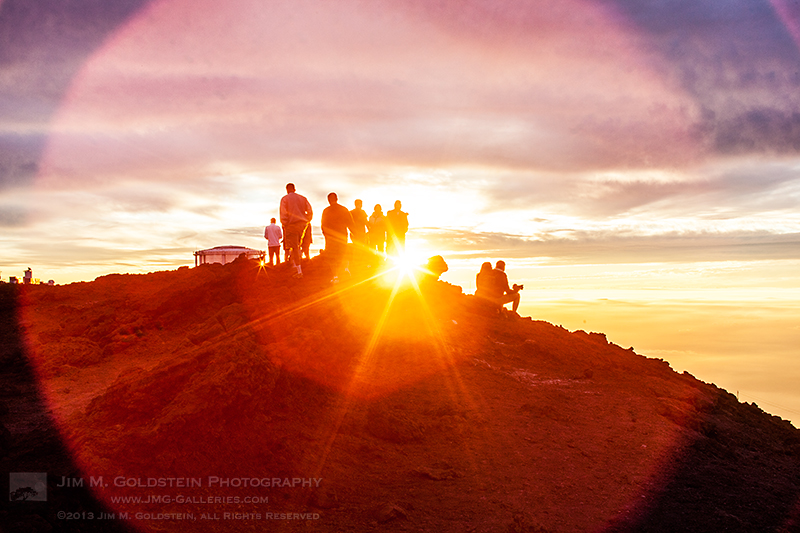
column 225, row 255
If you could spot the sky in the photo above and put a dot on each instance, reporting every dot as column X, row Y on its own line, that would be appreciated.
column 635, row 163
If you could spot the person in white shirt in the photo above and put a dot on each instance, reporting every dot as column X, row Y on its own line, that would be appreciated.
column 273, row 234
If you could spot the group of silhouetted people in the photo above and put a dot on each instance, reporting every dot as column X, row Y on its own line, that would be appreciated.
column 378, row 232
column 492, row 285
column 374, row 233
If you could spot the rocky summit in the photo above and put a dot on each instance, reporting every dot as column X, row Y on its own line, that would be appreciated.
column 237, row 398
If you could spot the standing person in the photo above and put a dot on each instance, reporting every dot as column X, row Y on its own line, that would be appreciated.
column 396, row 228
column 377, row 229
column 273, row 234
column 358, row 235
column 336, row 220
column 503, row 293
column 296, row 213
column 359, row 232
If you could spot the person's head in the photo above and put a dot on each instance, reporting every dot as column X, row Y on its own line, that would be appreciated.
column 437, row 266
column 290, row 187
column 486, row 266
column 397, row 205
column 378, row 208
column 272, row 221
column 358, row 204
column 501, row 265
column 332, row 198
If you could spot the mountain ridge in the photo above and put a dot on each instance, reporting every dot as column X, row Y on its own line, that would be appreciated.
column 417, row 407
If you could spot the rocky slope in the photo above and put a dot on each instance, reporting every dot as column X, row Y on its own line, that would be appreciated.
column 292, row 405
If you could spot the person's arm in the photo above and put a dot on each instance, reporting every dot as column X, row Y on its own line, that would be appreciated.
column 351, row 226
column 284, row 211
column 504, row 283
column 309, row 212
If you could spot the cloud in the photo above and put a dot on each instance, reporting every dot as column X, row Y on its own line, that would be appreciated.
column 537, row 128
column 738, row 61
column 355, row 84
column 12, row 216
column 613, row 246
column 737, row 188
column 492, row 84
column 19, row 155
column 761, row 130
column 42, row 46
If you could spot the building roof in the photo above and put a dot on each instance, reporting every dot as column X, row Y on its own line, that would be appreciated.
column 228, row 248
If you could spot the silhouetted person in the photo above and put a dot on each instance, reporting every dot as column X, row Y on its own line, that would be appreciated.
column 305, row 246
column 434, row 268
column 359, row 232
column 503, row 293
column 273, row 234
column 358, row 235
column 377, row 229
column 296, row 213
column 336, row 220
column 429, row 276
column 396, row 228
column 484, row 282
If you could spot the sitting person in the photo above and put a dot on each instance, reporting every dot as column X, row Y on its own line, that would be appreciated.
column 504, row 294
column 492, row 285
column 435, row 267
column 483, row 282
column 437, row 291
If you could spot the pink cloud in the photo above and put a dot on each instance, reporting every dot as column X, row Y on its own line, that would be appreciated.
column 558, row 86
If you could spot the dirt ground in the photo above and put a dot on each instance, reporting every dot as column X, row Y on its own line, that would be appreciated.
column 235, row 398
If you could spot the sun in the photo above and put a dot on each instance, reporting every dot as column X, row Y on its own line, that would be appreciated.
column 407, row 264
column 404, row 269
